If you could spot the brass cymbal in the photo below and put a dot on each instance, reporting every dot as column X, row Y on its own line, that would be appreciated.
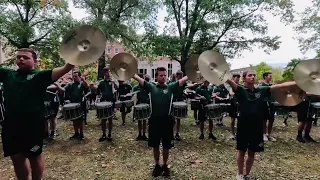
column 289, row 96
column 123, row 66
column 83, row 45
column 192, row 69
column 307, row 76
column 214, row 67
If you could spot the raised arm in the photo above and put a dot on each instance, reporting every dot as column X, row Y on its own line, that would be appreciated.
column 283, row 85
column 233, row 85
column 139, row 79
column 61, row 89
column 183, row 80
column 60, row 71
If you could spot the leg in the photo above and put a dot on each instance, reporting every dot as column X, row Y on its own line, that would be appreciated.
column 233, row 123
column 37, row 167
column 110, row 125
column 21, row 166
column 144, row 128
column 211, row 136
column 195, row 115
column 240, row 161
column 154, row 142
column 53, row 126
column 139, row 131
column 103, row 128
column 167, row 143
column 201, row 118
column 249, row 162
column 46, row 129
column 178, row 125
column 76, row 130
column 307, row 130
column 123, row 115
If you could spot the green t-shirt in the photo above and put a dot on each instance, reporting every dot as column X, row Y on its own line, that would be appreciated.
column 270, row 98
column 75, row 91
column 142, row 95
column 105, row 89
column 124, row 89
column 25, row 91
column 161, row 97
column 179, row 93
column 206, row 92
column 252, row 101
column 223, row 92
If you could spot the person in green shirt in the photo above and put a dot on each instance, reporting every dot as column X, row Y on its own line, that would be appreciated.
column 1, row 104
column 142, row 98
column 179, row 96
column 161, row 122
column 23, row 127
column 205, row 93
column 76, row 92
column 250, row 124
column 268, row 108
column 191, row 91
column 105, row 89
column 222, row 97
column 124, row 93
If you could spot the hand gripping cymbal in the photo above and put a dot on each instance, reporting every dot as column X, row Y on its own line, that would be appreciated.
column 123, row 66
column 307, row 76
column 83, row 45
column 213, row 67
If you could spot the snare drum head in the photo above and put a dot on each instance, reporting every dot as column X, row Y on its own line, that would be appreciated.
column 104, row 104
column 118, row 102
column 128, row 101
column 179, row 104
column 141, row 106
column 71, row 106
column 212, row 106
column 276, row 104
column 316, row 105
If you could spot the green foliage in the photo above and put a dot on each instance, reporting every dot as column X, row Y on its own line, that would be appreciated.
column 277, row 74
column 261, row 68
column 25, row 23
column 208, row 24
column 288, row 70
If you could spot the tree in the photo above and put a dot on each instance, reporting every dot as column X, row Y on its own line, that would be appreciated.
column 26, row 23
column 277, row 74
column 288, row 70
column 309, row 27
column 119, row 20
column 218, row 25
column 261, row 68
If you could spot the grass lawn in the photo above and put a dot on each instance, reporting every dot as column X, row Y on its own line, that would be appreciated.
column 125, row 158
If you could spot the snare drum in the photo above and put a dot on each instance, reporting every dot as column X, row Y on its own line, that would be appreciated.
column 48, row 111
column 179, row 109
column 72, row 111
column 141, row 112
column 128, row 103
column 213, row 111
column 195, row 104
column 315, row 109
column 118, row 104
column 280, row 110
column 1, row 112
column 104, row 110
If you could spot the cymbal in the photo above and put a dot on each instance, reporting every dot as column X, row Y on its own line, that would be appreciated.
column 83, row 45
column 289, row 96
column 307, row 76
column 214, row 67
column 192, row 69
column 123, row 66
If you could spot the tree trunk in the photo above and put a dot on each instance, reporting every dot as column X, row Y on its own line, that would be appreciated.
column 101, row 65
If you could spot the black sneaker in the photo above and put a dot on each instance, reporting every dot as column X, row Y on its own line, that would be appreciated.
column 144, row 138
column 139, row 138
column 177, row 137
column 211, row 136
column 103, row 138
column 300, row 139
column 309, row 138
column 157, row 171
column 109, row 138
column 201, row 136
column 75, row 136
column 165, row 171
column 81, row 137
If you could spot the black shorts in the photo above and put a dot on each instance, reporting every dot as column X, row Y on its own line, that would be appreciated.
column 202, row 114
column 303, row 111
column 232, row 110
column 55, row 108
column 23, row 133
column 269, row 111
column 161, row 131
column 250, row 134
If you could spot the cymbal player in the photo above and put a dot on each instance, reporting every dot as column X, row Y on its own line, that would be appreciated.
column 250, row 123
column 161, row 122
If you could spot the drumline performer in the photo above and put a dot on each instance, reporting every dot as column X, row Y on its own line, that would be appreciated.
column 206, row 95
column 250, row 123
column 76, row 91
column 161, row 122
column 1, row 104
column 233, row 105
column 222, row 96
column 105, row 89
column 192, row 90
column 142, row 97
column 22, row 133
column 179, row 96
column 124, row 94
column 51, row 121
column 268, row 109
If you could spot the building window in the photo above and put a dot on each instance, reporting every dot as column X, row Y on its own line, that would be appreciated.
column 143, row 71
column 109, row 51
column 169, row 69
column 153, row 73
column 116, row 51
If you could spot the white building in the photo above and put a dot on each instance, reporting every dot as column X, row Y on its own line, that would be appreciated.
column 149, row 68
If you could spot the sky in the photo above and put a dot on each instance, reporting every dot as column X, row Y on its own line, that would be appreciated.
column 289, row 48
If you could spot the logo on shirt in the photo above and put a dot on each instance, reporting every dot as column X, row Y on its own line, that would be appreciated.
column 30, row 76
column 257, row 95
column 35, row 148
column 110, row 83
column 165, row 91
